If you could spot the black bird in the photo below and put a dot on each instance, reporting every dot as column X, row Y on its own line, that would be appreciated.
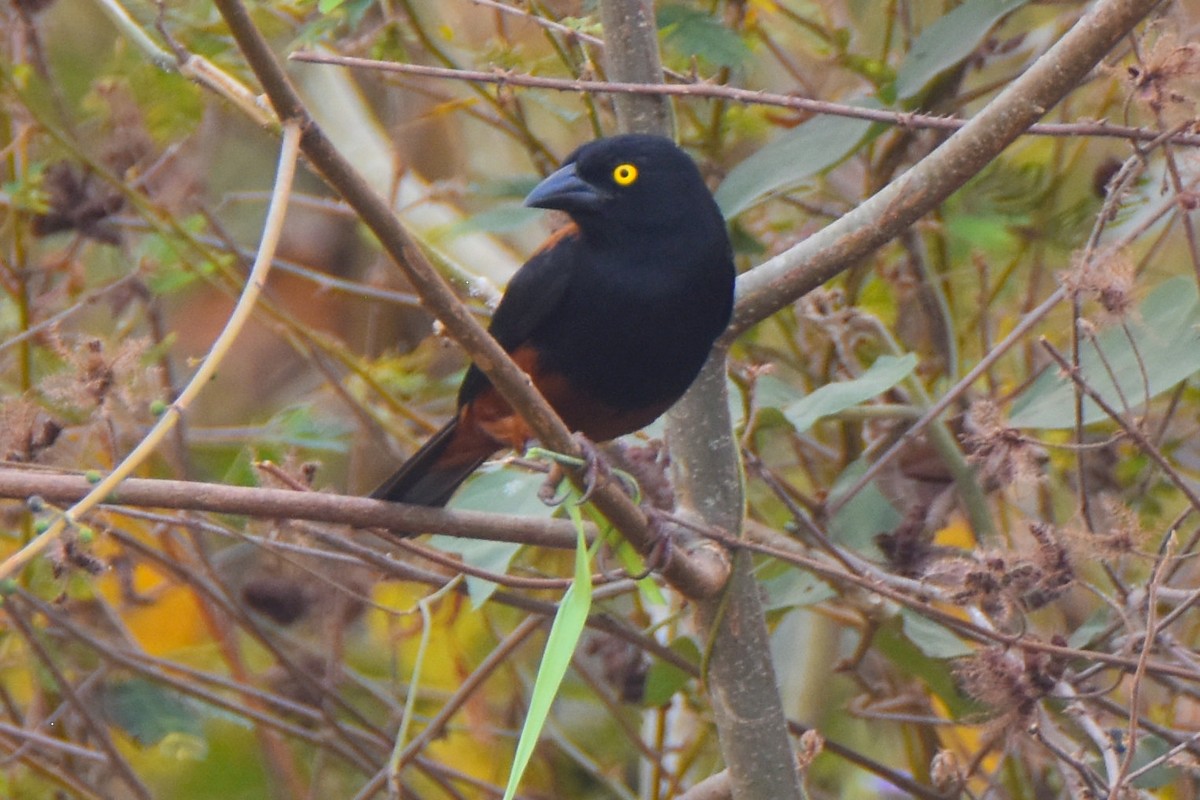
column 612, row 318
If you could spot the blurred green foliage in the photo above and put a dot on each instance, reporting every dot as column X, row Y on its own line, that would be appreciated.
column 217, row 656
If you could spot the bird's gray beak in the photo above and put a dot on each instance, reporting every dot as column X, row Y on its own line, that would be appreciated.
column 564, row 190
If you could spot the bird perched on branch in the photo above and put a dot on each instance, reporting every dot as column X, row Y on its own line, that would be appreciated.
column 612, row 318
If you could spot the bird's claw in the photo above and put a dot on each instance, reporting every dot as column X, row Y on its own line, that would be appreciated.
column 657, row 558
column 596, row 470
column 548, row 492
column 662, row 547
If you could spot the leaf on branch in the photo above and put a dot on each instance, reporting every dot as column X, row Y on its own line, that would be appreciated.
column 1160, row 350
column 493, row 489
column 693, row 33
column 886, row 372
column 790, row 160
column 149, row 713
column 948, row 41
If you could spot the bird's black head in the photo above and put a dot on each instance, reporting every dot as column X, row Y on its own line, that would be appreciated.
column 629, row 181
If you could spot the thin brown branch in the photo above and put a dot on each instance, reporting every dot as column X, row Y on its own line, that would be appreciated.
column 978, row 633
column 736, row 94
column 1014, row 337
column 1135, row 687
column 358, row 512
column 17, row 616
column 216, row 595
column 37, row 761
column 187, row 686
column 1134, row 432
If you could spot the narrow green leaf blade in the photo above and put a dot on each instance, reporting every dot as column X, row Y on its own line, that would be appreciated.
column 664, row 679
column 794, row 157
column 933, row 640
column 689, row 33
column 560, row 647
column 948, row 41
column 886, row 372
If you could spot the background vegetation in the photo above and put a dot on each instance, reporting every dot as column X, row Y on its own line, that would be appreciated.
column 969, row 455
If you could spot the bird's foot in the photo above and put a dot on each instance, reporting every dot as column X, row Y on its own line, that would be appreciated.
column 595, row 467
column 658, row 557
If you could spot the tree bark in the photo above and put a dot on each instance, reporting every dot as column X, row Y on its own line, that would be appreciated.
column 631, row 55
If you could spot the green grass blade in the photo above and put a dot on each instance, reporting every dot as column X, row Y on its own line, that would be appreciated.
column 560, row 647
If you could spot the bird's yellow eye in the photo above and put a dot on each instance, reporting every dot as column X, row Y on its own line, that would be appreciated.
column 625, row 174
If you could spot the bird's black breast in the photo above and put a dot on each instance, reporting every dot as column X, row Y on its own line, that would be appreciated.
column 634, row 325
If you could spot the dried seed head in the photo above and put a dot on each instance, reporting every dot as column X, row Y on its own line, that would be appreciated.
column 1108, row 278
column 26, row 430
column 1125, row 531
column 811, row 745
column 1005, row 456
column 997, row 679
column 96, row 375
column 1010, row 683
column 1166, row 78
column 1121, row 535
column 907, row 547
column 1052, row 566
column 946, row 773
column 68, row 555
column 78, row 202
column 625, row 666
column 283, row 599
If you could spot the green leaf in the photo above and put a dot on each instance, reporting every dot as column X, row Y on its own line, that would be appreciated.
column 886, row 372
column 560, row 647
column 1093, row 626
column 1151, row 748
column 934, row 640
column 948, row 41
column 936, row 673
column 794, row 588
column 773, row 392
column 987, row 233
column 494, row 557
column 493, row 488
column 663, row 679
column 694, row 33
column 149, row 714
column 1165, row 344
column 497, row 487
column 302, row 426
column 791, row 159
column 865, row 516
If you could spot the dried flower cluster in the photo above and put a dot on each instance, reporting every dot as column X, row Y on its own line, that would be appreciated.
column 1005, row 456
column 1108, row 278
column 1009, row 682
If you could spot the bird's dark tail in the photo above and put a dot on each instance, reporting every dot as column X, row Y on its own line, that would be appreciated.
column 431, row 475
